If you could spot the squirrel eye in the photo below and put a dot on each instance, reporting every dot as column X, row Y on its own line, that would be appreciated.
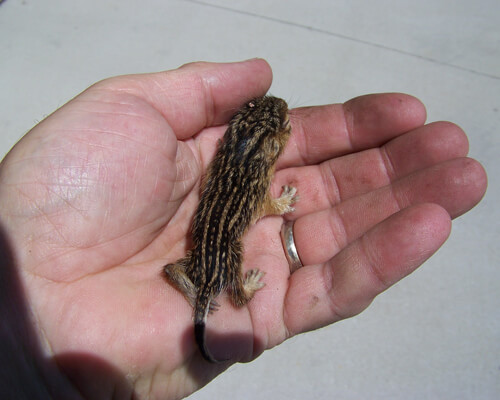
column 286, row 123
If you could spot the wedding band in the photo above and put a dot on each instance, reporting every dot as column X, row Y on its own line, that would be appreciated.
column 289, row 245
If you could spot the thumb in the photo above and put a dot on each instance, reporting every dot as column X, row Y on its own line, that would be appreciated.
column 201, row 94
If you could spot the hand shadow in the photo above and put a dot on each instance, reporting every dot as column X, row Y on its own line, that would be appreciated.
column 25, row 372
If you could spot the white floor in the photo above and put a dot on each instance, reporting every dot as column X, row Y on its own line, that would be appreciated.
column 436, row 335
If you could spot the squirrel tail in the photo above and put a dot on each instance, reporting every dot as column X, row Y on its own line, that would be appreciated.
column 200, row 318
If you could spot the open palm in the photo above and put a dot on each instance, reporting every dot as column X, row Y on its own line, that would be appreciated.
column 100, row 195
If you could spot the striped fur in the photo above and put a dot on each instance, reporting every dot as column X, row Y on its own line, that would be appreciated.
column 235, row 193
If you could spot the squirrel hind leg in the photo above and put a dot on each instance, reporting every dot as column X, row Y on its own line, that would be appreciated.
column 176, row 274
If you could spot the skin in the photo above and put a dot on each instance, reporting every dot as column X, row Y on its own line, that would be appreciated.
column 100, row 195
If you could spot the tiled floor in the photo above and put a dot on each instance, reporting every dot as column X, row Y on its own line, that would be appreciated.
column 436, row 335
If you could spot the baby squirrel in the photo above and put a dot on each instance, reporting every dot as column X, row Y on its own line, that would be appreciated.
column 235, row 194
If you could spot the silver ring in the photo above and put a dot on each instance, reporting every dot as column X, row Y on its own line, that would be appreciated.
column 289, row 245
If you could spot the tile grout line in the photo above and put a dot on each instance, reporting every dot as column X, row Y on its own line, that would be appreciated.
column 345, row 37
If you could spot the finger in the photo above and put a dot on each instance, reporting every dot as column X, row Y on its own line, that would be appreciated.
column 323, row 132
column 331, row 182
column 456, row 185
column 198, row 95
column 322, row 294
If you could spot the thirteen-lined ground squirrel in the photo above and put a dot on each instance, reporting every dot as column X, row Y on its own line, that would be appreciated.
column 235, row 194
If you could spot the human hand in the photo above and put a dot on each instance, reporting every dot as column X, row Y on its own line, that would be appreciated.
column 100, row 195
